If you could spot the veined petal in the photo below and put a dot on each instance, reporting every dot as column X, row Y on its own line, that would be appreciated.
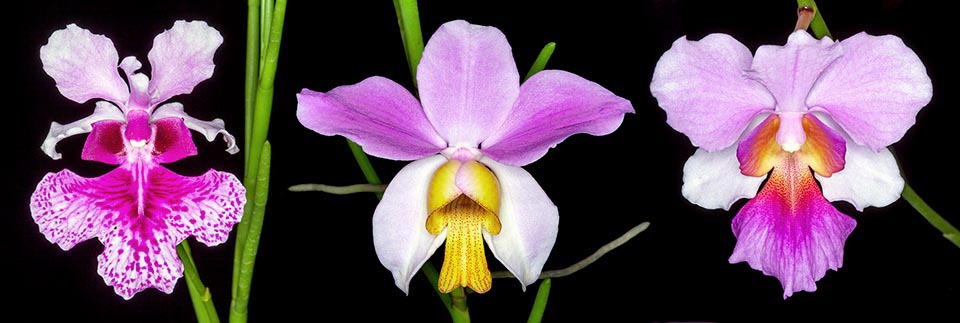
column 701, row 86
column 139, row 84
column 209, row 129
column 65, row 212
column 790, row 71
column 552, row 106
column 528, row 220
column 790, row 231
column 468, row 81
column 377, row 113
column 400, row 236
column 104, row 111
column 84, row 65
column 139, row 257
column 205, row 207
column 874, row 90
column 172, row 140
column 105, row 143
column 181, row 58
column 713, row 180
column 759, row 151
column 868, row 179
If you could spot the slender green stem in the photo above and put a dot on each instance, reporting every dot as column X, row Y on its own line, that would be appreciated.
column 368, row 172
column 339, row 190
column 540, row 303
column 459, row 311
column 199, row 295
column 818, row 25
column 408, row 17
column 238, row 312
column 251, row 72
column 542, row 59
column 949, row 231
column 266, row 21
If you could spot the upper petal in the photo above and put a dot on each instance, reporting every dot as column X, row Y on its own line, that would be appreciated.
column 400, row 236
column 377, row 113
column 529, row 223
column 790, row 71
column 209, row 129
column 468, row 81
column 701, row 86
column 104, row 111
column 552, row 106
column 181, row 58
column 874, row 90
column 713, row 180
column 84, row 65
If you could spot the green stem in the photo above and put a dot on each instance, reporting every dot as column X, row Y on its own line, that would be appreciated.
column 818, row 25
column 540, row 303
column 266, row 21
column 251, row 71
column 238, row 310
column 542, row 59
column 949, row 231
column 433, row 276
column 408, row 17
column 458, row 309
column 199, row 295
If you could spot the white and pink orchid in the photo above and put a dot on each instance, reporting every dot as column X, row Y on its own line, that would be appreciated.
column 139, row 211
column 832, row 107
column 476, row 126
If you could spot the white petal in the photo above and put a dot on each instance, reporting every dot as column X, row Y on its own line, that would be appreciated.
column 529, row 223
column 104, row 111
column 209, row 129
column 713, row 180
column 400, row 235
column 868, row 179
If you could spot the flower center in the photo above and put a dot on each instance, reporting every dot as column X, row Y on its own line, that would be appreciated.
column 817, row 146
column 464, row 199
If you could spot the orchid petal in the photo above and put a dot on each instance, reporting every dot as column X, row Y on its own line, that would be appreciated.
column 105, row 143
column 134, row 260
column 377, row 113
column 874, row 90
column 790, row 231
column 468, row 81
column 104, row 111
column 84, row 65
column 701, row 86
column 789, row 71
column 139, row 83
column 400, row 237
column 529, row 223
column 209, row 129
column 172, row 140
column 552, row 106
column 868, row 179
column 205, row 207
column 713, row 180
column 66, row 216
column 181, row 58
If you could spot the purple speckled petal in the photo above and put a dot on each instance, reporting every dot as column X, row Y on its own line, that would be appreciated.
column 209, row 129
column 181, row 58
column 105, row 143
column 529, row 223
column 104, row 111
column 400, row 235
column 84, row 65
column 552, row 106
column 790, row 71
column 205, row 207
column 874, row 90
column 139, row 254
column 790, row 231
column 702, row 87
column 377, row 113
column 468, row 81
column 172, row 140
column 66, row 212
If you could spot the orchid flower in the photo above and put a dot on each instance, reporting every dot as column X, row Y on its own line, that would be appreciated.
column 476, row 126
column 139, row 211
column 832, row 107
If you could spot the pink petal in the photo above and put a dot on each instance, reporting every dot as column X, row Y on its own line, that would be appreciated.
column 84, row 65
column 790, row 71
column 701, row 86
column 139, row 255
column 468, row 81
column 104, row 111
column 209, row 129
column 181, row 58
column 400, row 236
column 66, row 210
column 874, row 90
column 552, row 106
column 790, row 231
column 105, row 143
column 377, row 113
column 172, row 141
column 205, row 207
column 529, row 223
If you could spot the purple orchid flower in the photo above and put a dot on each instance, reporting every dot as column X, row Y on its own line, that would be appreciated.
column 832, row 107
column 139, row 211
column 477, row 125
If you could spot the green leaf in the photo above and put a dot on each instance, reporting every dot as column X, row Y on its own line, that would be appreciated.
column 542, row 59
column 238, row 310
column 199, row 295
column 540, row 303
column 408, row 16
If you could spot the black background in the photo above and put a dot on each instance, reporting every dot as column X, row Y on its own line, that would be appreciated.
column 317, row 262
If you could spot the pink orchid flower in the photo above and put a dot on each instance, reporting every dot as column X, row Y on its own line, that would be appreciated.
column 477, row 125
column 139, row 211
column 832, row 107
